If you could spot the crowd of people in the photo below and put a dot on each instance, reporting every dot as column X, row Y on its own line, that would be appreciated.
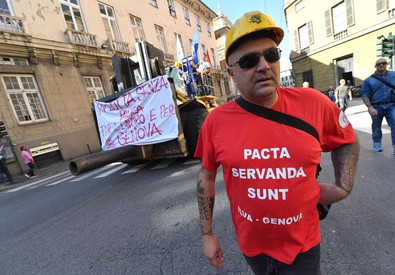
column 197, row 80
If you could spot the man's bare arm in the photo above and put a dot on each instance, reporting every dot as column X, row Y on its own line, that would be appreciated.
column 366, row 101
column 205, row 192
column 372, row 111
column 344, row 160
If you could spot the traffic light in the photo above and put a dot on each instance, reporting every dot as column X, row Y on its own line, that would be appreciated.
column 379, row 48
column 385, row 46
column 3, row 131
column 388, row 46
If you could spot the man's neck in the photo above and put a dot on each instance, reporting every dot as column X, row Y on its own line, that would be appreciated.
column 381, row 73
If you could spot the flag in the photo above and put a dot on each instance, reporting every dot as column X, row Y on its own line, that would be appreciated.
column 180, row 52
column 190, row 72
column 195, row 47
column 208, row 57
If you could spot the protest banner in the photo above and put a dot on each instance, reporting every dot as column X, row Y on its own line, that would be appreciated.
column 144, row 115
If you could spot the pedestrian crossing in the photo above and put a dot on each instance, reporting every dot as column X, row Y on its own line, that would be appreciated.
column 102, row 172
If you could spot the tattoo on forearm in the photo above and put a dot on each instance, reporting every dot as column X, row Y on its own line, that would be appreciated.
column 366, row 101
column 206, row 233
column 345, row 161
column 206, row 203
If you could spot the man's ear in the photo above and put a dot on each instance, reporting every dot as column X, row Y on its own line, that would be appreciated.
column 230, row 72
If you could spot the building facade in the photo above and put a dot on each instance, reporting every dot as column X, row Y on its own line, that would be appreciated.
column 56, row 58
column 286, row 77
column 336, row 39
column 221, row 26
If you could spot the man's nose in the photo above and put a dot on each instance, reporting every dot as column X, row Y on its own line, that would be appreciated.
column 262, row 63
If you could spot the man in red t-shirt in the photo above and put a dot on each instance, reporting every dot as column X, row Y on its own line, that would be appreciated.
column 269, row 168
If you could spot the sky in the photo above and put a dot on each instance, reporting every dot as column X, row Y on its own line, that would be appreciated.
column 234, row 9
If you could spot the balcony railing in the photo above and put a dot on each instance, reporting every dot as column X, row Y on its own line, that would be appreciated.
column 81, row 38
column 12, row 24
column 305, row 50
column 119, row 46
column 340, row 35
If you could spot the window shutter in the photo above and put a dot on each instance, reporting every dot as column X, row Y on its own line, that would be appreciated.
column 381, row 5
column 328, row 22
column 350, row 12
column 310, row 32
column 296, row 40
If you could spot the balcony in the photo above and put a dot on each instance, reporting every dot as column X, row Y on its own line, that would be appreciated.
column 119, row 46
column 12, row 24
column 305, row 50
column 81, row 38
column 340, row 35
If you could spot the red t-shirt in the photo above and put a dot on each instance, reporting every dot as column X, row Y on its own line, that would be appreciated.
column 269, row 169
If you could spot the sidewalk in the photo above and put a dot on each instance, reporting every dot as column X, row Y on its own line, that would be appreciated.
column 20, row 180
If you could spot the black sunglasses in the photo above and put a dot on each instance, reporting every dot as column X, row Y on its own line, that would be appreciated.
column 251, row 60
column 382, row 64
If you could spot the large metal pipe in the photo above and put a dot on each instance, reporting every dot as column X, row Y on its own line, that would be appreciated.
column 89, row 162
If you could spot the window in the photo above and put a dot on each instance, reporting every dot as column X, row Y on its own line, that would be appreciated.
column 5, row 7
column 203, row 48
column 172, row 8
column 198, row 26
column 72, row 15
column 208, row 29
column 339, row 18
column 186, row 16
column 137, row 28
column 303, row 37
column 153, row 3
column 25, row 98
column 161, row 38
column 110, row 24
column 299, row 6
column 13, row 61
column 94, row 87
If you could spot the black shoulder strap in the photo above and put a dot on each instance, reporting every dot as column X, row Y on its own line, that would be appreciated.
column 384, row 81
column 277, row 117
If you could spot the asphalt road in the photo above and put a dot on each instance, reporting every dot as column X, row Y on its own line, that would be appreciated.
column 124, row 220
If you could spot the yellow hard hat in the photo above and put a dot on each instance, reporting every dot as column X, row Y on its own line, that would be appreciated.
column 251, row 22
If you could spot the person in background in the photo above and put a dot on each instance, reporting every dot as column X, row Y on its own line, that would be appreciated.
column 205, row 70
column 180, row 83
column 380, row 100
column 274, row 213
column 3, row 176
column 29, row 161
column 331, row 94
column 342, row 95
column 350, row 86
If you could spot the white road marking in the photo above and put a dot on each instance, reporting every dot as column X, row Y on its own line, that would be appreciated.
column 135, row 168
column 191, row 161
column 36, row 182
column 112, row 171
column 163, row 164
column 59, row 181
column 84, row 176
